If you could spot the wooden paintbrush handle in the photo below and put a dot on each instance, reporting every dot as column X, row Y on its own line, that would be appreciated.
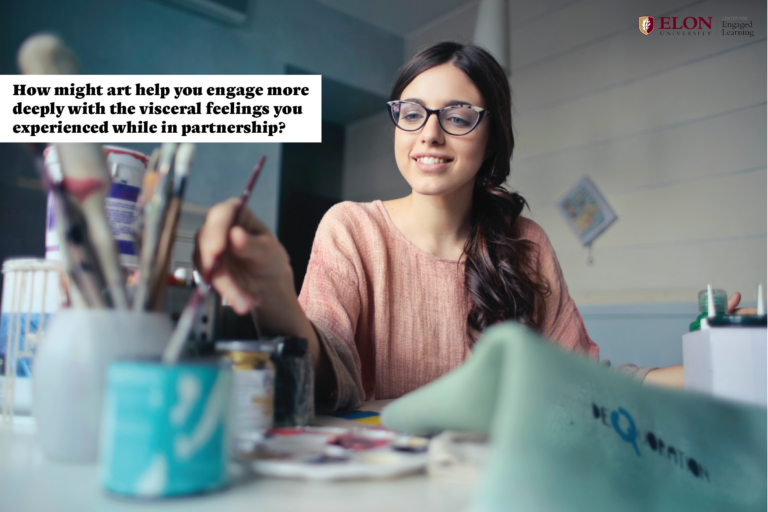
column 164, row 254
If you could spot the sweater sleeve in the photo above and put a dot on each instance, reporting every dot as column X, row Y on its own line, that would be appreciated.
column 561, row 321
column 331, row 299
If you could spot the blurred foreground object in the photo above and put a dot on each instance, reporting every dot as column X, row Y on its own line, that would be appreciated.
column 569, row 435
column 70, row 366
column 165, row 429
column 32, row 291
column 45, row 54
column 91, row 254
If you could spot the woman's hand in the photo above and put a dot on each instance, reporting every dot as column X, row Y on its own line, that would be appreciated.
column 733, row 301
column 669, row 377
column 252, row 260
column 254, row 275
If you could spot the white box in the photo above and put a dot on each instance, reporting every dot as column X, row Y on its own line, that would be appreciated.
column 728, row 362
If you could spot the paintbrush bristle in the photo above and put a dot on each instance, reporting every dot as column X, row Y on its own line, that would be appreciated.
column 46, row 54
column 184, row 159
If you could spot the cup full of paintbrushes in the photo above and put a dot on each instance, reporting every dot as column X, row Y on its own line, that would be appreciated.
column 68, row 380
column 103, row 323
column 83, row 341
column 165, row 427
column 100, row 327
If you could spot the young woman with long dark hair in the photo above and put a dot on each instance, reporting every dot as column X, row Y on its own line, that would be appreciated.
column 397, row 292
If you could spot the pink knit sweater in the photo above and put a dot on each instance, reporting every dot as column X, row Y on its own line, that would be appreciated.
column 392, row 317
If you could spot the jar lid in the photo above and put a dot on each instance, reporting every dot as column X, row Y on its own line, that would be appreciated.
column 720, row 299
column 292, row 346
column 245, row 346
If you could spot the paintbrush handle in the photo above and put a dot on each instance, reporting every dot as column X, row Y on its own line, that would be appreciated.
column 164, row 254
column 154, row 220
column 77, row 253
column 84, row 164
column 244, row 197
column 184, row 326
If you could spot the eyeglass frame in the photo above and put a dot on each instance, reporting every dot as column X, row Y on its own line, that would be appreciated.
column 481, row 111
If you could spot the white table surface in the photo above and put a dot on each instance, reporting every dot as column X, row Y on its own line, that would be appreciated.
column 31, row 483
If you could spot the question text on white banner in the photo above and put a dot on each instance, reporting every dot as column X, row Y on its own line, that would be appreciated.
column 160, row 108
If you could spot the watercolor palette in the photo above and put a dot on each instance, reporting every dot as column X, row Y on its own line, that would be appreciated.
column 331, row 453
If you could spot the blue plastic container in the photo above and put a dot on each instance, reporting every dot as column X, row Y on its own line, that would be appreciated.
column 165, row 429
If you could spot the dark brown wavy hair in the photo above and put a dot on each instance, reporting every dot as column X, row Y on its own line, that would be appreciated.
column 500, row 277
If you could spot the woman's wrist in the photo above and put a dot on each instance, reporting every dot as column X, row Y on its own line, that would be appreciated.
column 278, row 310
column 280, row 314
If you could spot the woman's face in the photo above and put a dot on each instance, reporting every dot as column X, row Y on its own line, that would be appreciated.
column 459, row 157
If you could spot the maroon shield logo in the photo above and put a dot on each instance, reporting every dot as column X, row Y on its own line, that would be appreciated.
column 646, row 24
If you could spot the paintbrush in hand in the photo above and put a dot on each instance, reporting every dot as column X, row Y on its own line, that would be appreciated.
column 184, row 326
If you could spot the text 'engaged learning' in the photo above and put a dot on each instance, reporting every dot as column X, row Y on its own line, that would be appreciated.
column 161, row 108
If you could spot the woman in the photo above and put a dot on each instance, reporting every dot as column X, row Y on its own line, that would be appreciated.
column 397, row 292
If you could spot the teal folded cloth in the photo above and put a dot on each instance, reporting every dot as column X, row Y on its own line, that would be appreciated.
column 569, row 435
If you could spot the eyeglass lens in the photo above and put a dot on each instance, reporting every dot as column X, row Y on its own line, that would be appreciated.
column 454, row 120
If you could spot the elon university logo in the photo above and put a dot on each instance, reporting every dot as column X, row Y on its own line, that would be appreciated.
column 646, row 24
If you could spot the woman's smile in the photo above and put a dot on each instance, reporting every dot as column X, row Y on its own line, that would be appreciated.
column 431, row 162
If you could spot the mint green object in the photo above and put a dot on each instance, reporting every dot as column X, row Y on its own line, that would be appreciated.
column 568, row 435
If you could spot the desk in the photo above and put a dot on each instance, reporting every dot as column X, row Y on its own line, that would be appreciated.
column 31, row 483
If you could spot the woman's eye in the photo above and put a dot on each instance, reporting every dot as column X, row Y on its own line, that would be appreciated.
column 412, row 116
column 458, row 121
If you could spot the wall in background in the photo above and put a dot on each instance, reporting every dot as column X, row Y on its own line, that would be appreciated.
column 22, row 205
column 370, row 171
column 457, row 25
column 310, row 184
column 648, row 334
column 671, row 129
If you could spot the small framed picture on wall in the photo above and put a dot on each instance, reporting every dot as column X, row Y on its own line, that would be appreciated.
column 586, row 211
